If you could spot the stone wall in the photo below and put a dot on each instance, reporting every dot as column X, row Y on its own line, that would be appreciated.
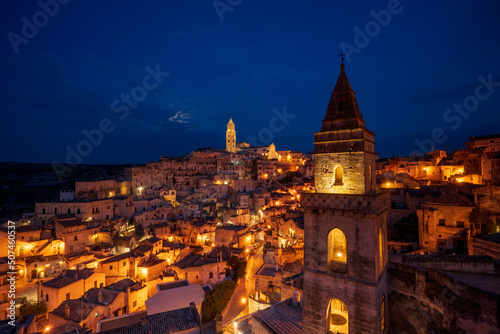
column 430, row 301
column 353, row 173
column 465, row 264
column 363, row 285
column 363, row 302
column 485, row 247
column 431, row 234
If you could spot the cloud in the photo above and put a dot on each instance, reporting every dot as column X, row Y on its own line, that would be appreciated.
column 445, row 95
column 180, row 117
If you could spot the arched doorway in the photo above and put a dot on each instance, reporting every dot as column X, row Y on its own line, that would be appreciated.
column 337, row 320
column 33, row 274
column 337, row 251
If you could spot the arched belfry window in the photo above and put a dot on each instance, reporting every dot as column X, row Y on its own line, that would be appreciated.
column 341, row 105
column 337, row 317
column 337, row 251
column 338, row 176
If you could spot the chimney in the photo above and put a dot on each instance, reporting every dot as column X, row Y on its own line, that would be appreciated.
column 99, row 296
column 66, row 310
column 218, row 323
column 295, row 298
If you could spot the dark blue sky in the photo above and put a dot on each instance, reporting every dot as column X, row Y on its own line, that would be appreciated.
column 263, row 55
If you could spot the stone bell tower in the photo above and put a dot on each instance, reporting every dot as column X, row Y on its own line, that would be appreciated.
column 345, row 225
column 231, row 137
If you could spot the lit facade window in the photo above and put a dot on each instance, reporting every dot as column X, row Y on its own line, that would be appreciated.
column 337, row 317
column 381, row 249
column 382, row 311
column 337, row 251
column 338, row 176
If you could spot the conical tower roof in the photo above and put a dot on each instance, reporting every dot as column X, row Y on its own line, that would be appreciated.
column 343, row 110
column 343, row 83
column 343, row 128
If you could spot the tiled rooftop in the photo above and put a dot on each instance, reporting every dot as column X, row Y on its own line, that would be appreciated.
column 453, row 198
column 495, row 237
column 69, row 277
column 282, row 318
column 163, row 323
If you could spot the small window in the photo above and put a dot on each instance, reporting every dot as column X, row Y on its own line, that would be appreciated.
column 47, row 297
column 78, row 211
column 55, row 210
column 95, row 284
column 382, row 309
column 211, row 275
column 111, row 267
column 460, row 223
column 69, row 211
column 338, row 175
column 135, row 303
column 67, row 296
column 43, row 210
column 442, row 222
column 124, row 263
column 76, row 238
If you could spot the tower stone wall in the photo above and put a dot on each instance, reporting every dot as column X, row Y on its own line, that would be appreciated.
column 345, row 245
column 231, row 137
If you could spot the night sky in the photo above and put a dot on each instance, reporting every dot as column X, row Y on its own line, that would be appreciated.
column 242, row 59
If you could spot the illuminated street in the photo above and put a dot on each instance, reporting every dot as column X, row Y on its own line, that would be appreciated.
column 245, row 288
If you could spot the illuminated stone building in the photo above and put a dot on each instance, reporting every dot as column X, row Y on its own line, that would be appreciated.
column 231, row 137
column 345, row 226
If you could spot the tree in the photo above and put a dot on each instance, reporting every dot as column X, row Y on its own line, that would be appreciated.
column 482, row 217
column 32, row 307
column 232, row 262
column 139, row 231
column 238, row 267
column 239, row 271
column 217, row 299
column 406, row 229
column 290, row 176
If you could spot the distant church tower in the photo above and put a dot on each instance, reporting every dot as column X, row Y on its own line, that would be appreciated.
column 230, row 137
column 345, row 226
